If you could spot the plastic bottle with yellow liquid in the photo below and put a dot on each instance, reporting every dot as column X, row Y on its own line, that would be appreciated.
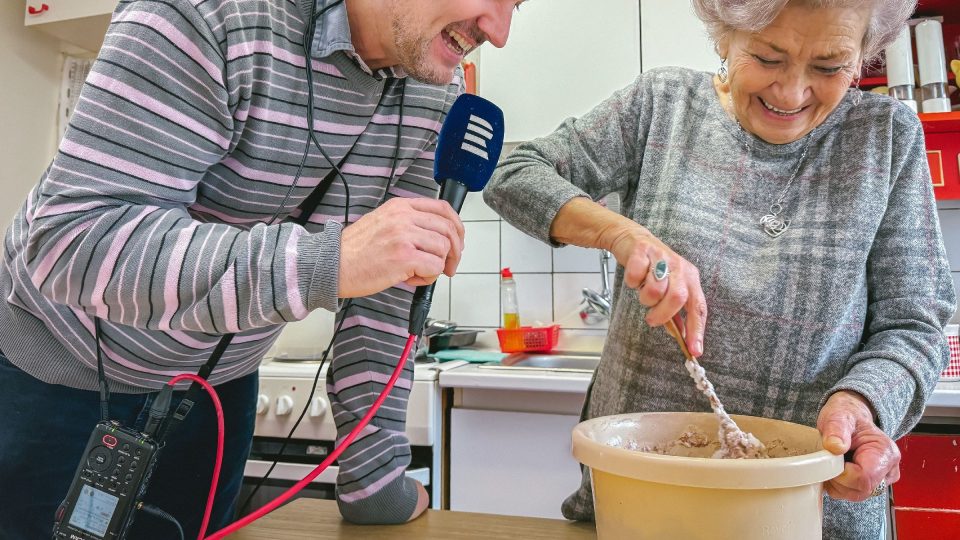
column 508, row 300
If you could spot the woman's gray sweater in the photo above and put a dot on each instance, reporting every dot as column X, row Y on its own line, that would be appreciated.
column 853, row 296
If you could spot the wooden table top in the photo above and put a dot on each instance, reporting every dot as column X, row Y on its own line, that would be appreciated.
column 320, row 519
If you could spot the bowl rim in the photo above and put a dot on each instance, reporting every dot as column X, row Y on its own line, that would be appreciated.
column 772, row 473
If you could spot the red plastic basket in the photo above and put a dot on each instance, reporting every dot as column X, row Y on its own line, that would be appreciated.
column 952, row 373
column 529, row 338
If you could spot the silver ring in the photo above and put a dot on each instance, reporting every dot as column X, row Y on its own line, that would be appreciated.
column 880, row 489
column 661, row 270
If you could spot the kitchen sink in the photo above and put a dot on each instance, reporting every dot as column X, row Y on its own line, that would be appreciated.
column 583, row 362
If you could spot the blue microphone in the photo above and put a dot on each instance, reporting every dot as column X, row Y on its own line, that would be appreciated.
column 468, row 150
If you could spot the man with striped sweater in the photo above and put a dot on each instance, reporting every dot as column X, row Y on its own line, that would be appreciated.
column 175, row 212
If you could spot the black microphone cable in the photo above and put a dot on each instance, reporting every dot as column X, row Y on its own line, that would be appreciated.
column 311, row 28
column 156, row 512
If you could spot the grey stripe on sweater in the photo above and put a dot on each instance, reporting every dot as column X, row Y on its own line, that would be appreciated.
column 854, row 296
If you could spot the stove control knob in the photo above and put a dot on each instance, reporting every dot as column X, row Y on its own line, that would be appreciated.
column 317, row 407
column 263, row 403
column 284, row 405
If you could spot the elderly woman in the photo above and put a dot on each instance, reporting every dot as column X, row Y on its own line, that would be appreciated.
column 800, row 211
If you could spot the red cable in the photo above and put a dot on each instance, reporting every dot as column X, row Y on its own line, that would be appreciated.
column 216, row 468
column 272, row 505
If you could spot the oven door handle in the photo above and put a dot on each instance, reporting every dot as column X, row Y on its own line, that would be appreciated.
column 295, row 472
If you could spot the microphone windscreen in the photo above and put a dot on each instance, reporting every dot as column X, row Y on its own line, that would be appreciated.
column 470, row 142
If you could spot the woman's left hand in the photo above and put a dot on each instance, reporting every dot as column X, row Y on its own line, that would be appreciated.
column 846, row 425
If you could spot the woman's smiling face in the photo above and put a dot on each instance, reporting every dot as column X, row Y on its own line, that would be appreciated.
column 786, row 79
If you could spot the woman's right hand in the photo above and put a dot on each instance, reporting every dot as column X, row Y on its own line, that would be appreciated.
column 639, row 252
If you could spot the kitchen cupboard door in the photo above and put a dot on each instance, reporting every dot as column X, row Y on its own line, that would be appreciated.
column 926, row 500
column 511, row 463
column 563, row 58
column 672, row 35
column 49, row 11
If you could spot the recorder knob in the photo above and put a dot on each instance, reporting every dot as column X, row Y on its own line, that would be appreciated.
column 284, row 405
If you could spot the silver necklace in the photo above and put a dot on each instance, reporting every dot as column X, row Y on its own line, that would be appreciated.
column 773, row 224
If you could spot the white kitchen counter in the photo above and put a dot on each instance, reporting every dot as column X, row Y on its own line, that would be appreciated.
column 475, row 377
column 945, row 401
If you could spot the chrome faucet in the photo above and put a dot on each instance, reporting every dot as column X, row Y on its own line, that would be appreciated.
column 598, row 304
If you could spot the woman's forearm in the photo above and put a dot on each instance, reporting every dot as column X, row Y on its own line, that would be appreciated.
column 583, row 222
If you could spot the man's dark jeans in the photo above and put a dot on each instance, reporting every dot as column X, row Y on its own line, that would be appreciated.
column 44, row 429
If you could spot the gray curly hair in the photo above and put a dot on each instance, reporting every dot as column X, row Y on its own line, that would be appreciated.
column 724, row 16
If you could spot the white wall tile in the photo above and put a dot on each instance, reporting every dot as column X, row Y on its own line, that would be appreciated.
column 950, row 225
column 577, row 259
column 535, row 298
column 474, row 209
column 522, row 253
column 481, row 252
column 307, row 338
column 475, row 300
column 567, row 297
column 440, row 308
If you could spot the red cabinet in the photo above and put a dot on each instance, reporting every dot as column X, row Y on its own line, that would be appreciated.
column 942, row 134
column 926, row 500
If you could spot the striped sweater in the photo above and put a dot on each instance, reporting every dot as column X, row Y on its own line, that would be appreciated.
column 153, row 214
column 157, row 214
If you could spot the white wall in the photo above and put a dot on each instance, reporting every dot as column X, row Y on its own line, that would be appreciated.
column 29, row 82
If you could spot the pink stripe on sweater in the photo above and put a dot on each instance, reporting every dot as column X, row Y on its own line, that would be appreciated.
column 360, row 320
column 413, row 121
column 320, row 126
column 108, row 267
column 255, row 174
column 171, row 32
column 266, row 47
column 372, row 488
column 228, row 294
column 368, row 377
column 290, row 255
column 157, row 107
column 66, row 208
column 46, row 265
column 366, row 170
column 171, row 290
column 69, row 147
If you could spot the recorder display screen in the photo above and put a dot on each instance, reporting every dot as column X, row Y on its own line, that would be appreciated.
column 93, row 510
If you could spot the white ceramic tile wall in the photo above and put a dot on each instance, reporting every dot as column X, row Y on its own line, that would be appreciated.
column 475, row 300
column 481, row 250
column 549, row 280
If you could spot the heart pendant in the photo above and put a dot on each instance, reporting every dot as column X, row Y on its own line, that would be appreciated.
column 773, row 225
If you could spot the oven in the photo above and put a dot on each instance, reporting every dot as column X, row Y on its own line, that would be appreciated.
column 284, row 392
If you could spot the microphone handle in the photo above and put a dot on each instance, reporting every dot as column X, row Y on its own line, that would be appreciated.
column 420, row 308
column 454, row 193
